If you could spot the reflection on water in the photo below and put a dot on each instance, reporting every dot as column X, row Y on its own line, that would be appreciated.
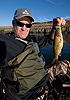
column 47, row 51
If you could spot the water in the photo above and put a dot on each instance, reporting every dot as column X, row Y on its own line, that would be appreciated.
column 47, row 51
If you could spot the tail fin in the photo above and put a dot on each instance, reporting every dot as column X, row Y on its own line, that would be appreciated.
column 55, row 60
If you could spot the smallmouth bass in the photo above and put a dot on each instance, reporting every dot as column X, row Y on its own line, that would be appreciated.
column 57, row 45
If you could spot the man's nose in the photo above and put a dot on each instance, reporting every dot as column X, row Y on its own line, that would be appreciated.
column 24, row 27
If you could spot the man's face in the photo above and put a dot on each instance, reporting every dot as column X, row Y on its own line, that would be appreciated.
column 22, row 31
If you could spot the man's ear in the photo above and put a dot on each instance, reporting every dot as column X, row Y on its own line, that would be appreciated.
column 13, row 22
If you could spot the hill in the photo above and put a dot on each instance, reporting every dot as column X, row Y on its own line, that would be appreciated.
column 39, row 27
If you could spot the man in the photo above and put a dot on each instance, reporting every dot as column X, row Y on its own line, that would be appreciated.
column 23, row 64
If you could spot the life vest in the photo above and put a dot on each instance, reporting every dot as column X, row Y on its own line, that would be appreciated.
column 28, row 67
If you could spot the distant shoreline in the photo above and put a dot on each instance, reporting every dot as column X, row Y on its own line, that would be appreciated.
column 39, row 27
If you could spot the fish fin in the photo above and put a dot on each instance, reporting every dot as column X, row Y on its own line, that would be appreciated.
column 60, row 54
column 55, row 60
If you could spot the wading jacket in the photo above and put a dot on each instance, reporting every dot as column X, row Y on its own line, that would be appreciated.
column 25, row 55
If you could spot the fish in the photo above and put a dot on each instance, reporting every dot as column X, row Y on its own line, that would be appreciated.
column 57, row 45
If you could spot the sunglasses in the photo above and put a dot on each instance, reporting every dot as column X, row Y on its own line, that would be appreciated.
column 22, row 24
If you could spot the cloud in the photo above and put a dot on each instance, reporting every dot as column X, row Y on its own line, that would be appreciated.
column 51, row 1
column 59, row 2
column 43, row 19
column 67, row 17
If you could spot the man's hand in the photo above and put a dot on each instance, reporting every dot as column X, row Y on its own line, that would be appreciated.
column 58, row 21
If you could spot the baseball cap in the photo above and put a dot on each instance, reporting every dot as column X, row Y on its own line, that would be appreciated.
column 22, row 12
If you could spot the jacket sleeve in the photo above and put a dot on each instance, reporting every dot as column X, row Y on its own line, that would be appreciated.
column 43, row 41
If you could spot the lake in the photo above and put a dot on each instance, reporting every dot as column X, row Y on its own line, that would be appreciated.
column 47, row 51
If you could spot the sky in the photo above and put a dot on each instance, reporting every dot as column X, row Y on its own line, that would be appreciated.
column 42, row 10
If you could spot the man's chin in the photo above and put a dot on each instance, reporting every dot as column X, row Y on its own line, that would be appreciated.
column 23, row 36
